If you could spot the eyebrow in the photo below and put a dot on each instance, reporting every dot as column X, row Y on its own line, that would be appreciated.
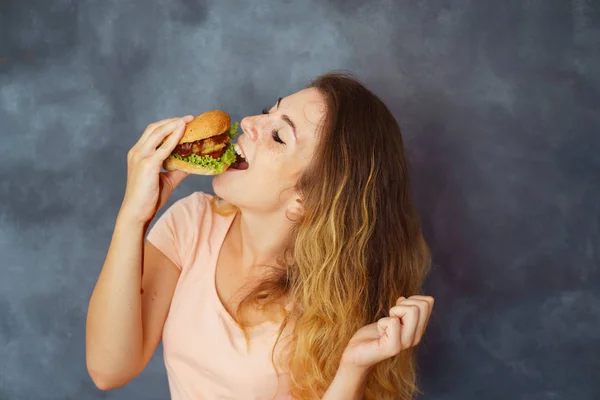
column 288, row 120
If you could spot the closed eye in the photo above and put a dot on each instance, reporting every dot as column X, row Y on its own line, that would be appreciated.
column 275, row 133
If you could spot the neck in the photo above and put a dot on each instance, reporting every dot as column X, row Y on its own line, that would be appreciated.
column 261, row 238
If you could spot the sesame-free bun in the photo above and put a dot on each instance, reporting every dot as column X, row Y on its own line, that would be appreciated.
column 205, row 125
column 172, row 164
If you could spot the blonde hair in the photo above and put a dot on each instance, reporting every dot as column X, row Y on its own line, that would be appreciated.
column 358, row 247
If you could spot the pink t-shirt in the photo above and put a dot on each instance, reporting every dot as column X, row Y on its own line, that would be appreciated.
column 205, row 350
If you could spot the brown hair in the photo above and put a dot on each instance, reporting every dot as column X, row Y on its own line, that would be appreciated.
column 358, row 247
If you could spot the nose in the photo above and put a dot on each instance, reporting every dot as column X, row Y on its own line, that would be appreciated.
column 249, row 127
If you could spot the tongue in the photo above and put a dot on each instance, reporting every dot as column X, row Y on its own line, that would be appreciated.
column 241, row 165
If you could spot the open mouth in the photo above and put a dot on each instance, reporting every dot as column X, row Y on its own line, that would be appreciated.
column 240, row 162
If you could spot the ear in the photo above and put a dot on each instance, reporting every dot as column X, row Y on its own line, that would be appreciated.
column 295, row 208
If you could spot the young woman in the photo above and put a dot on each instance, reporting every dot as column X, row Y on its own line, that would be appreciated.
column 299, row 280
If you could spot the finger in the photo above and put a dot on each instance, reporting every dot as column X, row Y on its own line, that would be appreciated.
column 424, row 312
column 427, row 302
column 155, row 125
column 174, row 178
column 152, row 127
column 187, row 119
column 389, row 336
column 168, row 145
column 167, row 136
column 400, row 300
column 409, row 317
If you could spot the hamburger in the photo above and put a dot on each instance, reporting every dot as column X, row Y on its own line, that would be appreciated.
column 205, row 147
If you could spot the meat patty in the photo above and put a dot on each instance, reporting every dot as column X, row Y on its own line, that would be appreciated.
column 209, row 146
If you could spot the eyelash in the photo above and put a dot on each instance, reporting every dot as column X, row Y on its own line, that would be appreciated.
column 274, row 134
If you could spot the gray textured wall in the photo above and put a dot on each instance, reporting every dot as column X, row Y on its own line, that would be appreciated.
column 499, row 102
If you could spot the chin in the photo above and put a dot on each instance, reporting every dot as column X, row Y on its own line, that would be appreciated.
column 222, row 187
column 231, row 188
column 241, row 194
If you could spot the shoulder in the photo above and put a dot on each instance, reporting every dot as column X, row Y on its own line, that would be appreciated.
column 195, row 204
column 185, row 215
column 182, row 228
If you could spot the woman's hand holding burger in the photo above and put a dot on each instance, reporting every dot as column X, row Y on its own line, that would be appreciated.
column 148, row 189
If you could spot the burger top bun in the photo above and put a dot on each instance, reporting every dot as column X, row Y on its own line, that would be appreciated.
column 205, row 125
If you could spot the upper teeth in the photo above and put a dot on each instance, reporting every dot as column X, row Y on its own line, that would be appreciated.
column 237, row 149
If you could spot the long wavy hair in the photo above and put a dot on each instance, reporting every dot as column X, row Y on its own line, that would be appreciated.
column 357, row 248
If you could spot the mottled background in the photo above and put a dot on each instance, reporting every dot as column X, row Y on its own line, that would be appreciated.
column 499, row 103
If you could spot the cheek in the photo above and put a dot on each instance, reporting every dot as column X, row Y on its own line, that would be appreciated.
column 270, row 154
column 273, row 169
column 267, row 147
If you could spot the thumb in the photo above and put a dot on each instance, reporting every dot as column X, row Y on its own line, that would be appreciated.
column 174, row 178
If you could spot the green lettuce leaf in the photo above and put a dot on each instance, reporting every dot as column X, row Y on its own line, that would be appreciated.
column 233, row 130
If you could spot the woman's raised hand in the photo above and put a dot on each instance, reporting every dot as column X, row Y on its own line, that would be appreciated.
column 148, row 189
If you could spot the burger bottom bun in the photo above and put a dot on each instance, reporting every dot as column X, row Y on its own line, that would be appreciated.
column 172, row 164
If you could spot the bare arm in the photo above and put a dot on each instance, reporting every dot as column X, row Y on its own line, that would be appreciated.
column 123, row 326
column 347, row 385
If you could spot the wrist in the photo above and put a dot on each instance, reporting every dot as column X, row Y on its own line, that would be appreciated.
column 126, row 220
column 353, row 373
column 128, row 215
column 348, row 384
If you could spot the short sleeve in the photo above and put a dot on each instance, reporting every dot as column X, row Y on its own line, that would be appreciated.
column 176, row 231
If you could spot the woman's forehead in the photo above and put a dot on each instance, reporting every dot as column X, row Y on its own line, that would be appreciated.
column 306, row 108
